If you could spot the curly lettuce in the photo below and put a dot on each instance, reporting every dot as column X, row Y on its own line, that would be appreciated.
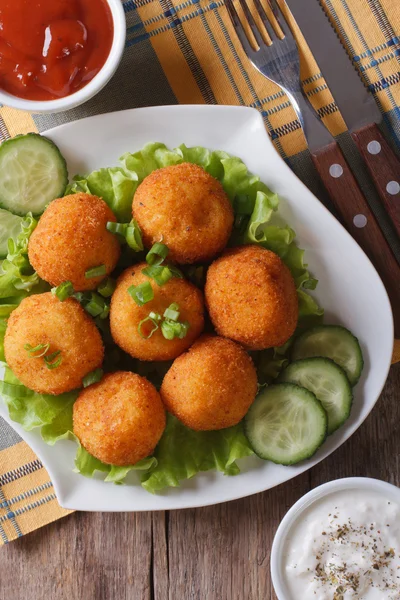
column 181, row 452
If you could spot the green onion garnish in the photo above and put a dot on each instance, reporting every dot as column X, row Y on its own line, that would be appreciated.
column 172, row 312
column 142, row 293
column 130, row 232
column 96, row 305
column 107, row 287
column 119, row 228
column 157, row 254
column 159, row 273
column 92, row 377
column 96, row 272
column 196, row 275
column 153, row 330
column 37, row 351
column 134, row 236
column 51, row 360
column 155, row 316
column 171, row 329
column 63, row 291
column 175, row 271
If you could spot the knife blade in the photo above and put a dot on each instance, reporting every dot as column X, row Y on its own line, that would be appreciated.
column 355, row 102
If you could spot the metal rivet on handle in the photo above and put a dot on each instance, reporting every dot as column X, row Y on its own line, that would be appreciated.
column 360, row 221
column 374, row 147
column 393, row 188
column 335, row 170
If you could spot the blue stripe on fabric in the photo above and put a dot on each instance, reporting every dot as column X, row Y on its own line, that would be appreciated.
column 10, row 515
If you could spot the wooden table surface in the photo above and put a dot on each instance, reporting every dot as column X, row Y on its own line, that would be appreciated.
column 214, row 553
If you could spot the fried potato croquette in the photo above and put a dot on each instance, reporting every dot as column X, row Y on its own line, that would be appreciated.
column 251, row 297
column 126, row 315
column 188, row 208
column 70, row 238
column 61, row 332
column 119, row 420
column 211, row 386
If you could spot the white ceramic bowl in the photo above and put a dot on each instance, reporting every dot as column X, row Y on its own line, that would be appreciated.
column 292, row 516
column 93, row 87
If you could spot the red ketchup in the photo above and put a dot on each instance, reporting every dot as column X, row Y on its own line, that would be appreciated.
column 49, row 49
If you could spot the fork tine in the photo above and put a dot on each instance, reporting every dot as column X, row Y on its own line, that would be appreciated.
column 264, row 18
column 251, row 22
column 280, row 18
column 240, row 32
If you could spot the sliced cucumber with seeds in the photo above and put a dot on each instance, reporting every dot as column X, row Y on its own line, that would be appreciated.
column 334, row 342
column 286, row 424
column 10, row 227
column 33, row 172
column 328, row 382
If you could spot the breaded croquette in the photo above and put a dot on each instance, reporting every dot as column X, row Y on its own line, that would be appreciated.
column 119, row 420
column 71, row 238
column 188, row 208
column 251, row 297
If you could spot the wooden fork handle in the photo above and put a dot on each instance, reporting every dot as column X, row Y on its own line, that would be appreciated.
column 384, row 167
column 359, row 220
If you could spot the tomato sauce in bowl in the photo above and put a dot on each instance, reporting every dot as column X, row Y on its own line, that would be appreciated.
column 50, row 49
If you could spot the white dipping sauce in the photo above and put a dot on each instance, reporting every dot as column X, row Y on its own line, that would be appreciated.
column 345, row 546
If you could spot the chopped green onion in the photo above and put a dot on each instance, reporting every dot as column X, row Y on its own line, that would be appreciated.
column 159, row 273
column 105, row 312
column 6, row 309
column 13, row 391
column 155, row 316
column 120, row 228
column 130, row 232
column 41, row 348
column 96, row 305
column 171, row 329
column 107, row 287
column 153, row 330
column 134, row 236
column 157, row 254
column 92, row 377
column 172, row 312
column 96, row 272
column 63, row 291
column 50, row 360
column 142, row 293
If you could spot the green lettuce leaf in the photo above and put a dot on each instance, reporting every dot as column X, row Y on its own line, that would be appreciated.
column 28, row 408
column 87, row 465
column 114, row 185
column 182, row 453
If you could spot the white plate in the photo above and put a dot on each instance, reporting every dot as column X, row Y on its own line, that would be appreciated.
column 349, row 289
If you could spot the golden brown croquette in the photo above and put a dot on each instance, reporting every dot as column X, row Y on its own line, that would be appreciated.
column 70, row 238
column 62, row 327
column 251, row 297
column 125, row 315
column 211, row 386
column 119, row 420
column 187, row 208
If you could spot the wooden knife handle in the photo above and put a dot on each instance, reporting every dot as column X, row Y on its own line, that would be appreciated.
column 384, row 167
column 359, row 220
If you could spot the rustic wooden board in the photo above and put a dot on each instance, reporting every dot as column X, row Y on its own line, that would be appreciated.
column 214, row 553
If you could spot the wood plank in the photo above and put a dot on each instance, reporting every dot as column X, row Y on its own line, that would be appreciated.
column 90, row 556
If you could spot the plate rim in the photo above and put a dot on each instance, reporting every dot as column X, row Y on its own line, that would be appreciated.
column 37, row 447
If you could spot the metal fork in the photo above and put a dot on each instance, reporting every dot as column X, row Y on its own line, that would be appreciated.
column 280, row 63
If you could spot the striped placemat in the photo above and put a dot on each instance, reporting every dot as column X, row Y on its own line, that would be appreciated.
column 187, row 52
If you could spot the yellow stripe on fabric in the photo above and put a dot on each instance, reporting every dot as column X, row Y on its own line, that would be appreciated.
column 17, row 121
column 27, row 491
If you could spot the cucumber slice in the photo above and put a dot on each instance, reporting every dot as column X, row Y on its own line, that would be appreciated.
column 334, row 342
column 328, row 382
column 32, row 173
column 10, row 227
column 286, row 424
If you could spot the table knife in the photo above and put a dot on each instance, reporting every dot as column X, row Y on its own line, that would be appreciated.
column 355, row 102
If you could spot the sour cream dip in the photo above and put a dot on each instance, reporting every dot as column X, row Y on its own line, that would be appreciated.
column 343, row 545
